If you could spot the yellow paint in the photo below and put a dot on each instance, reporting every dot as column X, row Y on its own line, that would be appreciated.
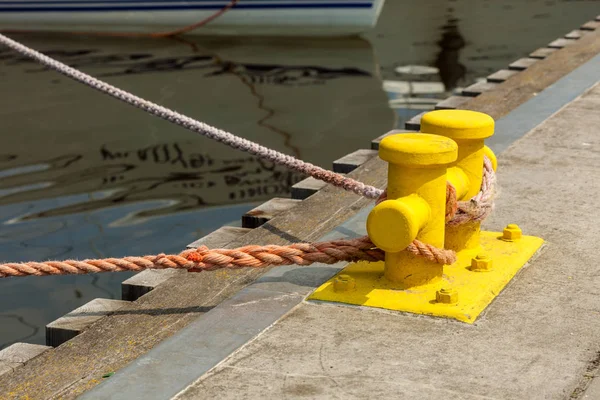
column 415, row 208
column 490, row 154
column 468, row 129
column 344, row 283
column 459, row 180
column 511, row 233
column 481, row 263
column 446, row 296
column 474, row 290
column 394, row 224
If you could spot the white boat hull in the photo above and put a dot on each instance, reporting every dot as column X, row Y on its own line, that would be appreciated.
column 248, row 17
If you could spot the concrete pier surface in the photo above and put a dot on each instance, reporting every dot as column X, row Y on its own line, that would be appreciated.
column 539, row 340
column 252, row 334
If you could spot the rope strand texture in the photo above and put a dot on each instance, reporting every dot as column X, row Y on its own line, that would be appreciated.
column 202, row 258
column 219, row 135
column 482, row 204
column 205, row 259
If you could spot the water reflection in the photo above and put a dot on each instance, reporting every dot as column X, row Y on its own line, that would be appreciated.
column 86, row 176
column 450, row 69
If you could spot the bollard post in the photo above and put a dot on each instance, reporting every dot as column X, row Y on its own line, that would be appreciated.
column 450, row 149
column 415, row 208
column 468, row 129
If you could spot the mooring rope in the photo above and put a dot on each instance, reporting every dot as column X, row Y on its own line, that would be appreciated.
column 202, row 258
column 482, row 204
column 219, row 135
column 331, row 252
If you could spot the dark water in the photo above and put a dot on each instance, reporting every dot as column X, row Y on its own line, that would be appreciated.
column 83, row 175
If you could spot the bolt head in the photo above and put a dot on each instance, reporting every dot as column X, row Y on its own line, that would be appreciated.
column 446, row 296
column 343, row 283
column 481, row 263
column 511, row 233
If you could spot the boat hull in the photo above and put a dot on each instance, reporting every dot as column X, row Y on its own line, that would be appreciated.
column 248, row 17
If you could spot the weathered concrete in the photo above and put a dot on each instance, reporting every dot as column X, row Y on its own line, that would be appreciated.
column 501, row 76
column 593, row 391
column 415, row 122
column 590, row 26
column 536, row 341
column 560, row 43
column 68, row 326
column 522, row 64
column 146, row 281
column 542, row 53
column 266, row 211
column 452, row 103
column 18, row 354
column 306, row 188
column 350, row 162
column 528, row 83
column 477, row 88
column 575, row 34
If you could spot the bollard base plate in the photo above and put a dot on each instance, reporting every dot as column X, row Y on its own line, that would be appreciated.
column 476, row 289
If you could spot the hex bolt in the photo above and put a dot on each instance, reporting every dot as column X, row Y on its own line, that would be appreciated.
column 511, row 233
column 481, row 263
column 446, row 296
column 344, row 283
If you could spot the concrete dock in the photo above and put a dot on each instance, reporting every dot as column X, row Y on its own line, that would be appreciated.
column 252, row 334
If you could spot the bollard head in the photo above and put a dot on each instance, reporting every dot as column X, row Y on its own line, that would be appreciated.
column 418, row 149
column 458, row 124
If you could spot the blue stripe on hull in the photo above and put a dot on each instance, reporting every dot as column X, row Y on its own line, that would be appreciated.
column 112, row 8
column 220, row 3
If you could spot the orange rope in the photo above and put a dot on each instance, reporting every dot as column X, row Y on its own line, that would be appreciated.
column 204, row 259
column 175, row 32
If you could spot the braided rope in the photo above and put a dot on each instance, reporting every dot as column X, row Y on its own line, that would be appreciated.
column 193, row 125
column 482, row 204
column 205, row 259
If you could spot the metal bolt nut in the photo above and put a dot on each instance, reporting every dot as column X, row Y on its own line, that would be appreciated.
column 511, row 233
column 481, row 263
column 344, row 283
column 446, row 296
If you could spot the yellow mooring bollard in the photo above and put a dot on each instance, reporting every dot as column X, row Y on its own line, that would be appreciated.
column 451, row 149
column 416, row 205
column 469, row 129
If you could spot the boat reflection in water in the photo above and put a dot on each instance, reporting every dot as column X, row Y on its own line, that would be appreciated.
column 84, row 175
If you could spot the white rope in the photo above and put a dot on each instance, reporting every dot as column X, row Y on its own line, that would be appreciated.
column 196, row 126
